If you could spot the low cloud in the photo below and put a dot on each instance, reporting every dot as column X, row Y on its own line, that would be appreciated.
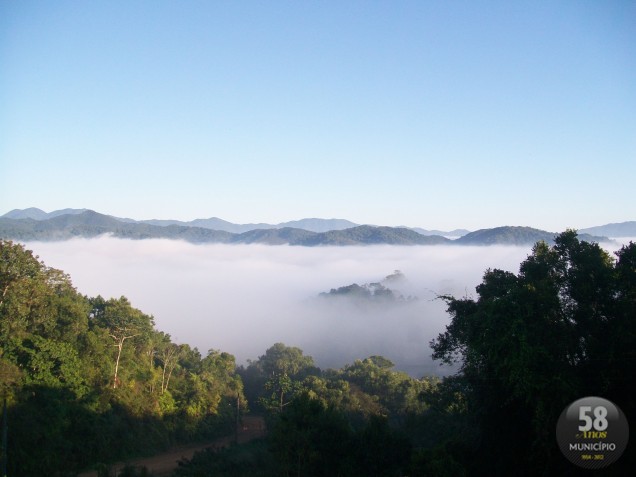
column 244, row 298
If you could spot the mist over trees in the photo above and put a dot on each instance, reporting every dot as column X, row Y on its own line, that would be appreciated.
column 208, row 295
column 90, row 379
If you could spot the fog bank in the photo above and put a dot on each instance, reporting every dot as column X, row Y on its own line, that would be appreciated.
column 244, row 298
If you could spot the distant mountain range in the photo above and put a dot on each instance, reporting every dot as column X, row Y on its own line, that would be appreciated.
column 34, row 224
column 213, row 223
column 623, row 229
column 92, row 224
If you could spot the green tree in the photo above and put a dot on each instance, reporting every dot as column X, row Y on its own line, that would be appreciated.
column 281, row 359
column 42, row 320
column 533, row 342
column 60, row 375
column 282, row 369
column 311, row 439
column 123, row 322
column 395, row 392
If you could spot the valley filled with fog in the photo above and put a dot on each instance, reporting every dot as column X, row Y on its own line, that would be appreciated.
column 244, row 298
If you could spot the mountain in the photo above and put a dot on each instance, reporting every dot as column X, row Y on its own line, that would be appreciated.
column 35, row 224
column 38, row 214
column 368, row 235
column 453, row 233
column 319, row 225
column 505, row 235
column 312, row 225
column 623, row 229
column 510, row 235
column 215, row 223
column 90, row 224
column 282, row 236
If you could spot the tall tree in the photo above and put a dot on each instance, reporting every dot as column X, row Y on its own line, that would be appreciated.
column 284, row 367
column 123, row 323
column 169, row 356
column 533, row 342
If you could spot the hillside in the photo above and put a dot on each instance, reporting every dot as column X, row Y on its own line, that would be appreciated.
column 34, row 224
column 311, row 224
column 90, row 224
column 368, row 235
column 38, row 214
column 623, row 229
column 510, row 235
column 283, row 236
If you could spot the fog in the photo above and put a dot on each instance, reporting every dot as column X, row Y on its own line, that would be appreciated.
column 244, row 298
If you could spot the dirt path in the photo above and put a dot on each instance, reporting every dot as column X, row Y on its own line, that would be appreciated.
column 162, row 465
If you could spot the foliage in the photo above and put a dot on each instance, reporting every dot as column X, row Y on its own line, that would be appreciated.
column 248, row 460
column 276, row 377
column 310, row 439
column 510, row 235
column 367, row 294
column 91, row 379
column 531, row 343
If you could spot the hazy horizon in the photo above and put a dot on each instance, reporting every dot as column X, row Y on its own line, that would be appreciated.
column 294, row 219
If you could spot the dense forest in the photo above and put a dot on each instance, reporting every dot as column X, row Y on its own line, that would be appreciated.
column 89, row 381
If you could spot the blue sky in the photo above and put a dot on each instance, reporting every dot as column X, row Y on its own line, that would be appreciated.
column 427, row 113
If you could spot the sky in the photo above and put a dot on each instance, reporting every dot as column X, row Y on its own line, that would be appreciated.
column 420, row 113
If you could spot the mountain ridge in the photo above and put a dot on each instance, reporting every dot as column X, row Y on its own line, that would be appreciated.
column 91, row 224
column 621, row 229
column 35, row 224
column 313, row 224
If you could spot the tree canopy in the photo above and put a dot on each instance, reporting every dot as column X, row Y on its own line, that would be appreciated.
column 529, row 344
column 90, row 379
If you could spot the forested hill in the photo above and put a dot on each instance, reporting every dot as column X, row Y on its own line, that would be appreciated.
column 515, row 236
column 623, row 229
column 88, row 224
column 214, row 223
column 89, row 380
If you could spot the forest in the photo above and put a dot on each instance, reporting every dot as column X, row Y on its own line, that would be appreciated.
column 88, row 381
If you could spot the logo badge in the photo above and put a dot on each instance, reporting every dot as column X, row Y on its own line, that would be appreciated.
column 592, row 432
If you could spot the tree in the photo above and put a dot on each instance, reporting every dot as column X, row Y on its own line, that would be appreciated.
column 284, row 368
column 58, row 371
column 27, row 295
column 394, row 392
column 311, row 439
column 169, row 357
column 533, row 342
column 41, row 319
column 281, row 359
column 123, row 322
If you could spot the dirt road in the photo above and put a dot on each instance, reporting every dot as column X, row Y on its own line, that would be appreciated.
column 162, row 465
